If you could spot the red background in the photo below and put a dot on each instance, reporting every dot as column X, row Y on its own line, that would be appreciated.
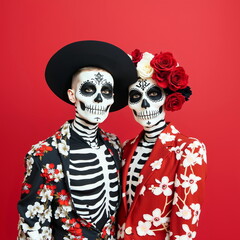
column 203, row 36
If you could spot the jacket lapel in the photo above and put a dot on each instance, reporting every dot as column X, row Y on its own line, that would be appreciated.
column 63, row 143
column 116, row 157
column 114, row 153
column 160, row 150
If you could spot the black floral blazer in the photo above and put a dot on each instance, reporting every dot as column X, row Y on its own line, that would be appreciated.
column 46, row 209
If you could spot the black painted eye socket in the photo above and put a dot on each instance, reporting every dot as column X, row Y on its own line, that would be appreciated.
column 134, row 96
column 154, row 93
column 87, row 89
column 107, row 91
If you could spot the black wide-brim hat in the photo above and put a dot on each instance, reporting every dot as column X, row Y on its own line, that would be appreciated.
column 69, row 59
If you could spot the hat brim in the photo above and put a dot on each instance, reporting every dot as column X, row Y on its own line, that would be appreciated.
column 69, row 59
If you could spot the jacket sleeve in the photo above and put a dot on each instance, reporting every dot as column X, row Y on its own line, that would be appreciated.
column 34, row 206
column 189, row 190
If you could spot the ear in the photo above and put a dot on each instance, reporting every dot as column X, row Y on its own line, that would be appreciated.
column 71, row 95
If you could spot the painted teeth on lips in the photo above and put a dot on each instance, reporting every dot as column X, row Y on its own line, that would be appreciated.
column 147, row 115
column 96, row 109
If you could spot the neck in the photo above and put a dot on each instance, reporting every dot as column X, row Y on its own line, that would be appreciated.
column 151, row 133
column 85, row 129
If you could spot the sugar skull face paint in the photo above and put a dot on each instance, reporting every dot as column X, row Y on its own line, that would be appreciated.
column 146, row 100
column 93, row 94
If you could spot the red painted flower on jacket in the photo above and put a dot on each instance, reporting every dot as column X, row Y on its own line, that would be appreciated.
column 63, row 197
column 58, row 135
column 72, row 226
column 52, row 173
column 26, row 188
column 46, row 192
column 43, row 149
column 85, row 223
column 109, row 230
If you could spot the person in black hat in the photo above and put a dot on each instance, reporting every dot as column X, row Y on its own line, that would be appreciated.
column 71, row 188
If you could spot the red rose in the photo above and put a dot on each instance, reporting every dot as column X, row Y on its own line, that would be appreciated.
column 161, row 78
column 163, row 62
column 178, row 79
column 136, row 56
column 174, row 102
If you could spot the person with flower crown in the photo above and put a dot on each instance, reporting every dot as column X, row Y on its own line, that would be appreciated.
column 163, row 171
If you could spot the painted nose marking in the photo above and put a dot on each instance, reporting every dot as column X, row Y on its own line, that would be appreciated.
column 145, row 104
column 98, row 98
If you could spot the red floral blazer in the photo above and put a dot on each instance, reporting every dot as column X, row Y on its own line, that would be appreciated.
column 169, row 194
column 46, row 209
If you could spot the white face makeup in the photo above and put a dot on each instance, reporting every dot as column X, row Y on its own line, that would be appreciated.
column 146, row 100
column 94, row 94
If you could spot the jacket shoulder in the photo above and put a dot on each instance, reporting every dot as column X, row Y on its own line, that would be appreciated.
column 181, row 138
column 43, row 148
column 192, row 144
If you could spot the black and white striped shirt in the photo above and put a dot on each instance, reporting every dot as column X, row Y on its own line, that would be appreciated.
column 93, row 179
column 140, row 157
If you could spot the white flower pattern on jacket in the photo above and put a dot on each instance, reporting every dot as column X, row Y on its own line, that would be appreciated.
column 44, row 187
column 175, row 197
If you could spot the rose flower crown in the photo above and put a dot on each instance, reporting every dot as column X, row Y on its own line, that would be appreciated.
column 167, row 73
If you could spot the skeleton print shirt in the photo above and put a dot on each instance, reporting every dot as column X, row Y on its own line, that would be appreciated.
column 48, row 206
column 140, row 156
column 93, row 180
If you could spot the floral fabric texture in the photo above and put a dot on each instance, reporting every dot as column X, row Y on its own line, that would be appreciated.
column 46, row 210
column 169, row 195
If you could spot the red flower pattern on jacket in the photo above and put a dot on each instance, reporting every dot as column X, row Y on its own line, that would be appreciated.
column 63, row 197
column 85, row 223
column 109, row 230
column 26, row 188
column 52, row 173
column 58, row 135
column 44, row 170
column 73, row 226
column 42, row 150
column 49, row 188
